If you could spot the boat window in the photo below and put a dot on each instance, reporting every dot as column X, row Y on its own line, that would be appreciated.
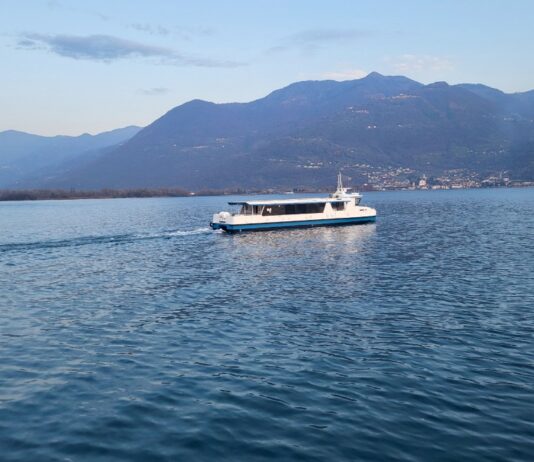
column 357, row 200
column 338, row 205
column 246, row 209
column 292, row 209
column 274, row 210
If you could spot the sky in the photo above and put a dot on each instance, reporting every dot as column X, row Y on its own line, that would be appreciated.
column 73, row 67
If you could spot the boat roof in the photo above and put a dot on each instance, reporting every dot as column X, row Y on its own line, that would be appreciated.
column 309, row 200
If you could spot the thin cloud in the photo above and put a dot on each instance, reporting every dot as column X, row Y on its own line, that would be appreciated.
column 57, row 5
column 150, row 29
column 107, row 48
column 310, row 40
column 416, row 63
column 94, row 47
column 345, row 75
column 186, row 33
column 154, row 91
column 28, row 44
column 54, row 4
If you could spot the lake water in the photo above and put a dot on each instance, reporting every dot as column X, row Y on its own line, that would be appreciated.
column 131, row 332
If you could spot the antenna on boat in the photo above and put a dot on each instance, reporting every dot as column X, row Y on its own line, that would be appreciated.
column 339, row 182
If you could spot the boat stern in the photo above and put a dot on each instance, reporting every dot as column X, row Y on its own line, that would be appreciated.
column 219, row 220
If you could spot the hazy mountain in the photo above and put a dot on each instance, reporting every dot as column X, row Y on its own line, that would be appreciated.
column 24, row 154
column 302, row 134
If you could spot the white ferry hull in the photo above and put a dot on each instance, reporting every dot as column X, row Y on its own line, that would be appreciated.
column 237, row 228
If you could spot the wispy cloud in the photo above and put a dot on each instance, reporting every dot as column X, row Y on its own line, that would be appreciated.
column 154, row 91
column 313, row 39
column 54, row 4
column 150, row 28
column 95, row 47
column 345, row 75
column 107, row 48
column 57, row 5
column 186, row 33
column 416, row 63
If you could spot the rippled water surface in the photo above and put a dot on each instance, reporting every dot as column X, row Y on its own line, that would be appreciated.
column 131, row 332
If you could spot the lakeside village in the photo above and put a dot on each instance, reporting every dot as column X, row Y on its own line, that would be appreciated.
column 408, row 179
column 404, row 178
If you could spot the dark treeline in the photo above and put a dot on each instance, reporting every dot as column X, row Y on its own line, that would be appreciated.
column 58, row 194
column 48, row 194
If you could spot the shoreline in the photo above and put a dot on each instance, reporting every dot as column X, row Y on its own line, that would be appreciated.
column 10, row 195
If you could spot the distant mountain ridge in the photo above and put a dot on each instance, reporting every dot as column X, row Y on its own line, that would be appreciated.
column 25, row 154
column 300, row 135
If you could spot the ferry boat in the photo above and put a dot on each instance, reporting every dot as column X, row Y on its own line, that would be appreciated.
column 340, row 208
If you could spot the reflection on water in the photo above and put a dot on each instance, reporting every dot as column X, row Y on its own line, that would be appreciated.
column 299, row 241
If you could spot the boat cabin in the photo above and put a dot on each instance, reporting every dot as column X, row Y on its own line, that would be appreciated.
column 294, row 207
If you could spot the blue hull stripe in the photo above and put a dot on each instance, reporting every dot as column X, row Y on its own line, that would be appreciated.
column 294, row 224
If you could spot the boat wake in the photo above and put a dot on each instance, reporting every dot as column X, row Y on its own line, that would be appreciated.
column 95, row 240
column 190, row 232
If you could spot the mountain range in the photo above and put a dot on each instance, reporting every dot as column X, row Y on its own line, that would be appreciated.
column 27, row 158
column 298, row 136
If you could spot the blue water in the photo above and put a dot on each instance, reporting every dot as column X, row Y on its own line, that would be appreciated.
column 131, row 332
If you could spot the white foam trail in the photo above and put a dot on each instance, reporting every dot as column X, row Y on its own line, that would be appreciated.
column 189, row 232
column 177, row 233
